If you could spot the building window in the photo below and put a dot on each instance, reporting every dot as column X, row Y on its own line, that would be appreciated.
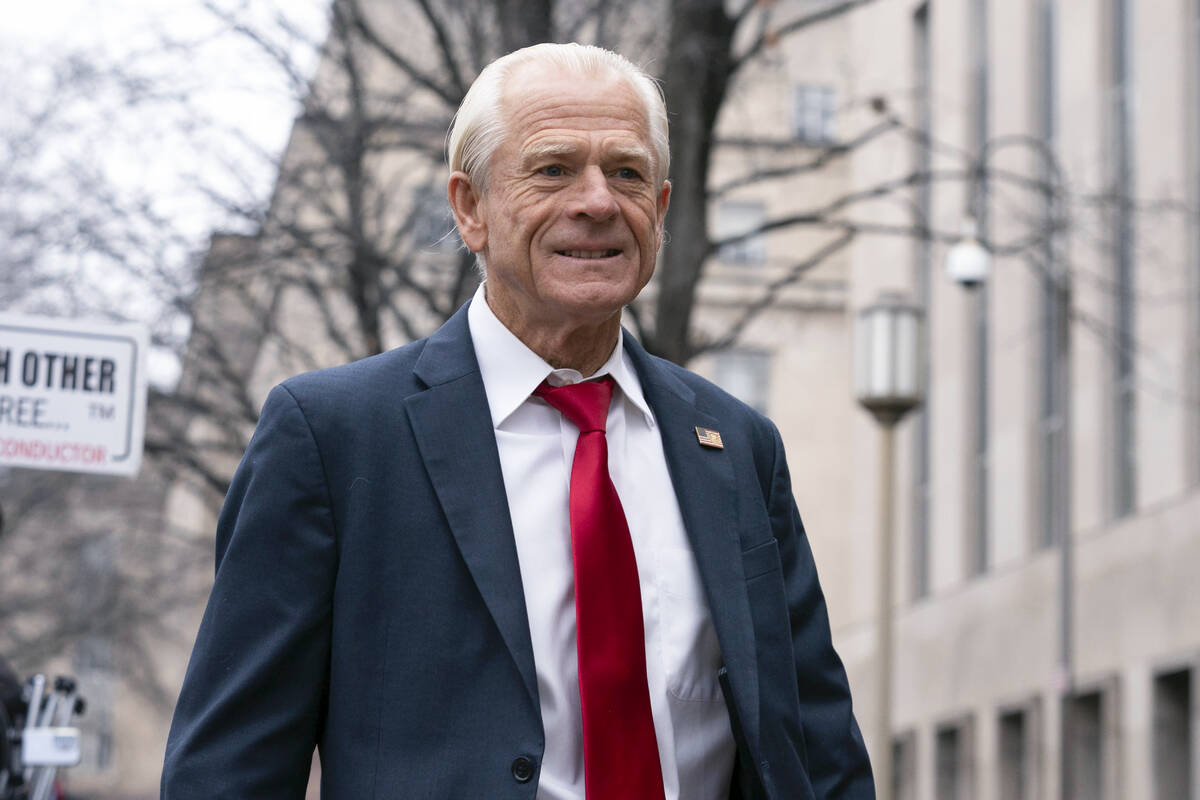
column 1175, row 741
column 952, row 762
column 1087, row 751
column 1091, row 740
column 739, row 219
column 904, row 767
column 745, row 374
column 431, row 223
column 1120, row 125
column 1018, row 749
column 923, row 159
column 814, row 120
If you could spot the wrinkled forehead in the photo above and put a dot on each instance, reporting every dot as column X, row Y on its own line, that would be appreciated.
column 546, row 89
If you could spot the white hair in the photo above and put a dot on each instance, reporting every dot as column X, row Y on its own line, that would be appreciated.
column 478, row 127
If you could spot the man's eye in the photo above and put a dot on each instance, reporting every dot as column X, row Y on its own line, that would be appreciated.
column 629, row 174
column 553, row 171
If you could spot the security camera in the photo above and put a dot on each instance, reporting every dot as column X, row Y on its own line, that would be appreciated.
column 968, row 262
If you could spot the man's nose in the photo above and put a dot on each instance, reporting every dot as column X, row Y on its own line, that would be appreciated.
column 593, row 196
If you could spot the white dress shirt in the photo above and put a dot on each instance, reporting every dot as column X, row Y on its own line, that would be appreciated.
column 537, row 445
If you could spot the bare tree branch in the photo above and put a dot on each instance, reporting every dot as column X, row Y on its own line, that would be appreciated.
column 369, row 35
column 826, row 156
column 830, row 11
column 770, row 293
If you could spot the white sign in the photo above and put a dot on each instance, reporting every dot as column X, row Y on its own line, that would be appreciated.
column 72, row 395
column 50, row 747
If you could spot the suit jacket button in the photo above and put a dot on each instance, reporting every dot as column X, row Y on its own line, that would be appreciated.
column 522, row 769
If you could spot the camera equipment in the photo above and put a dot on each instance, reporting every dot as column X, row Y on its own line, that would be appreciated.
column 35, row 737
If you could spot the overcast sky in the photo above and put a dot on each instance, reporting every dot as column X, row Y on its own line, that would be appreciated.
column 239, row 87
column 230, row 86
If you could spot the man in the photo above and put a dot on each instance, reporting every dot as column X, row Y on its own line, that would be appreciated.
column 521, row 558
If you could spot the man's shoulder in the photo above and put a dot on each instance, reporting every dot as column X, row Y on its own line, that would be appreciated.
column 750, row 438
column 709, row 397
column 734, row 419
column 388, row 374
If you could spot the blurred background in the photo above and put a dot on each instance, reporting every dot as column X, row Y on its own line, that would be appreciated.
column 1011, row 566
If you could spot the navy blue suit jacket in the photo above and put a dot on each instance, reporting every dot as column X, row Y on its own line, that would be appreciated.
column 368, row 598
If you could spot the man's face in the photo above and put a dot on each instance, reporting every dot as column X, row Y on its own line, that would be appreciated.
column 572, row 219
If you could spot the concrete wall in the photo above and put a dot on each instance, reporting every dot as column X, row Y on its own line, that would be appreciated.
column 980, row 645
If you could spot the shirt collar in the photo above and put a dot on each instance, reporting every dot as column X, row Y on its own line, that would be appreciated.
column 511, row 371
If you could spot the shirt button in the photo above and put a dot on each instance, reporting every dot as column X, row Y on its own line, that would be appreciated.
column 522, row 769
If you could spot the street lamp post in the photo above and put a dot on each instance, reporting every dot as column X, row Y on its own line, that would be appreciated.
column 887, row 382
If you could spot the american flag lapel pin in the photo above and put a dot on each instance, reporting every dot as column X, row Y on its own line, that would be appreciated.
column 710, row 438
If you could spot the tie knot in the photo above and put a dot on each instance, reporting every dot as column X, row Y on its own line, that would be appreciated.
column 584, row 404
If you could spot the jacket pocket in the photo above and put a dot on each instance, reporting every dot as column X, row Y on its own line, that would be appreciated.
column 761, row 559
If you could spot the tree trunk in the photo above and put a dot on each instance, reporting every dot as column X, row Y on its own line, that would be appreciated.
column 524, row 22
column 696, row 78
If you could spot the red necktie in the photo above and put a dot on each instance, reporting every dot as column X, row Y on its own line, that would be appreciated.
column 620, row 751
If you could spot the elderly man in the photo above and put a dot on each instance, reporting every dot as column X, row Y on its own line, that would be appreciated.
column 521, row 558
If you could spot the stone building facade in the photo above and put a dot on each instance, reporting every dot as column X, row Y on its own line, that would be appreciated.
column 1083, row 116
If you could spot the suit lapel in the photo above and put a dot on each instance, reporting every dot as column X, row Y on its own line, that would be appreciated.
column 453, row 429
column 706, row 489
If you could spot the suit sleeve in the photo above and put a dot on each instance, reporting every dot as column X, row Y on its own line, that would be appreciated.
column 838, row 766
column 250, row 709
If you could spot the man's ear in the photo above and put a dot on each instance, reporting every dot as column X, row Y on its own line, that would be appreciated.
column 664, row 201
column 467, row 204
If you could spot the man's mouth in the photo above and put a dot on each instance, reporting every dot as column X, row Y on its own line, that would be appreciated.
column 589, row 253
